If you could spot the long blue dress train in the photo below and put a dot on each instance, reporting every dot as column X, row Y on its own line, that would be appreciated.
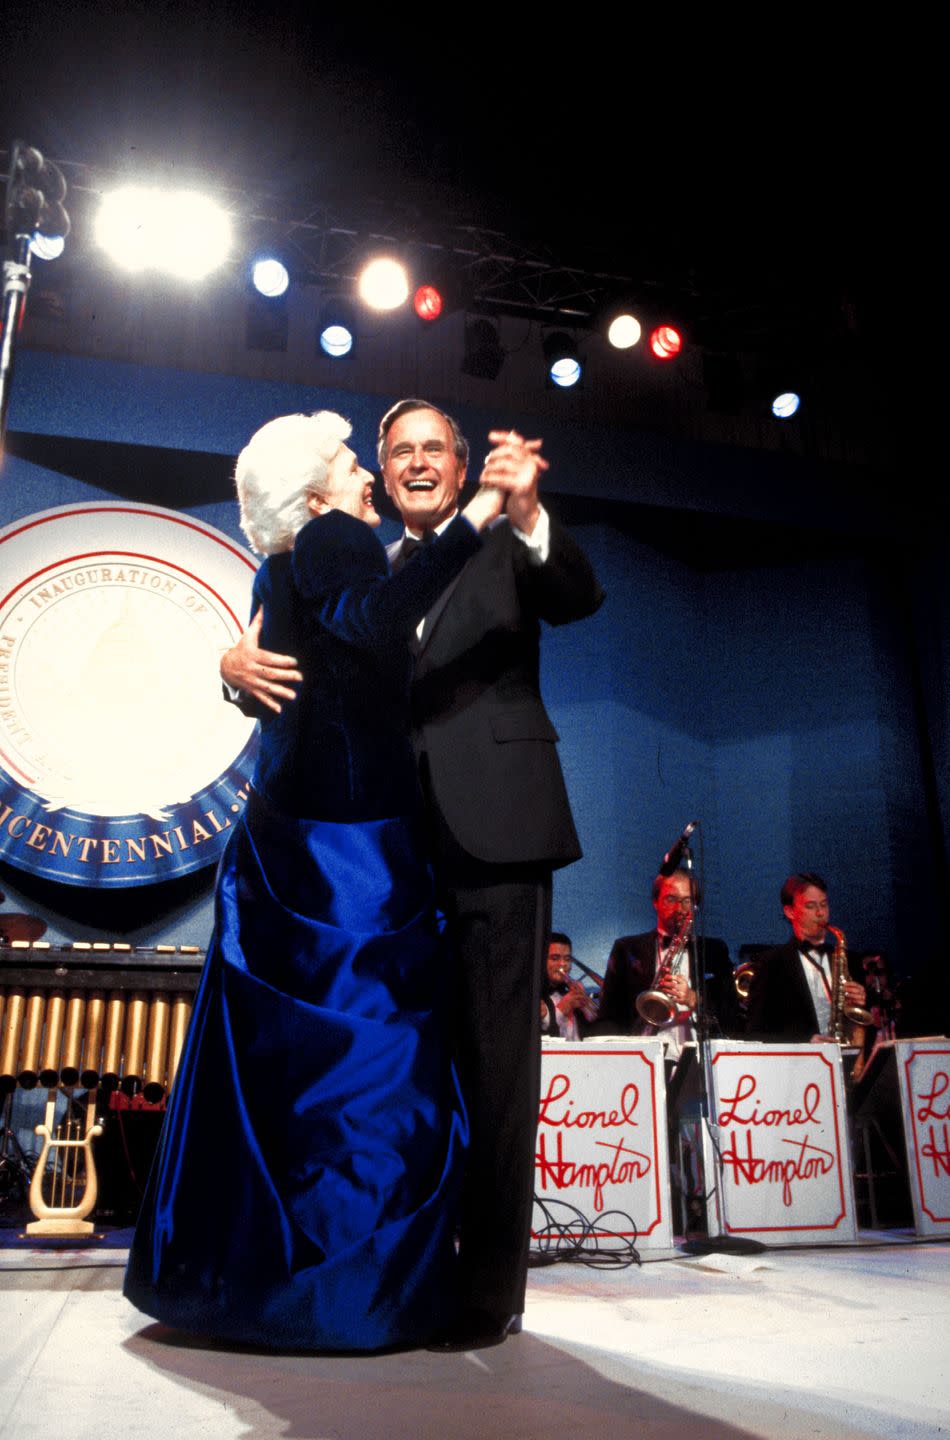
column 303, row 1194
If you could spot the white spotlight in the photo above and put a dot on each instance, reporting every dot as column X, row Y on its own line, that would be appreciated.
column 180, row 233
column 624, row 331
column 566, row 372
column 270, row 277
column 785, row 405
column 336, row 341
column 384, row 284
column 47, row 247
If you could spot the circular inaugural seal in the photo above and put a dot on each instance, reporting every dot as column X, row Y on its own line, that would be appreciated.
column 120, row 763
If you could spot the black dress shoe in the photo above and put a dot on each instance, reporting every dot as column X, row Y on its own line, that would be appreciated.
column 476, row 1330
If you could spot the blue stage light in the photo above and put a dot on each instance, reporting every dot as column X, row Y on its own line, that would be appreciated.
column 785, row 405
column 563, row 360
column 565, row 372
column 336, row 341
column 47, row 247
column 336, row 328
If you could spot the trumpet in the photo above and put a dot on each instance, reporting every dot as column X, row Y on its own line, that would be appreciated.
column 656, row 1007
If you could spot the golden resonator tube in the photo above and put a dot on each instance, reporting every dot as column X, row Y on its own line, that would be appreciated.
column 127, row 1038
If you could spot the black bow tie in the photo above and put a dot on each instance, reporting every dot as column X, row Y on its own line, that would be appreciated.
column 409, row 547
column 821, row 947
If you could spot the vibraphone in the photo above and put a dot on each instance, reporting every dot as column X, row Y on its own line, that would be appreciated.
column 96, row 1015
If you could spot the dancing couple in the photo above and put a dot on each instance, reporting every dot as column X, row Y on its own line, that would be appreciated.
column 381, row 910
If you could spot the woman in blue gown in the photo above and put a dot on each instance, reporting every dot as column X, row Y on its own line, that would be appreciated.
column 303, row 1193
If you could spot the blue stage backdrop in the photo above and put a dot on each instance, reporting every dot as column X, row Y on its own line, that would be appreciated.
column 781, row 681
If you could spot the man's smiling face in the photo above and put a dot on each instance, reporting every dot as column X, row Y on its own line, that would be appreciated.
column 422, row 473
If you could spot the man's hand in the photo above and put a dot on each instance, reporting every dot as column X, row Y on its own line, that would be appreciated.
column 577, row 998
column 678, row 988
column 261, row 675
column 516, row 465
column 854, row 994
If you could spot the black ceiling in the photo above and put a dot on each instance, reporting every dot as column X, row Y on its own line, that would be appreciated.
column 757, row 180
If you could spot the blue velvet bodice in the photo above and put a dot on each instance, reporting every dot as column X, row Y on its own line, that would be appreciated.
column 341, row 751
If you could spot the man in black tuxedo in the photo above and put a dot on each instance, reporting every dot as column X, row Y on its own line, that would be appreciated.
column 790, row 998
column 567, row 1011
column 497, row 809
column 641, row 962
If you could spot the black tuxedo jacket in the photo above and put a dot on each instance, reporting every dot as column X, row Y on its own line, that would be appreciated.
column 780, row 1003
column 630, row 971
column 489, row 746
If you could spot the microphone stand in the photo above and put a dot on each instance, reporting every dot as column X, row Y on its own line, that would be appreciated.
column 16, row 283
column 34, row 195
column 708, row 1244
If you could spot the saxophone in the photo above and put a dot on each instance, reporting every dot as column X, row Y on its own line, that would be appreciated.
column 654, row 1006
column 849, row 1023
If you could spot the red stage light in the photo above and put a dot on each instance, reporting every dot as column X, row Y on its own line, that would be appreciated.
column 665, row 342
column 427, row 302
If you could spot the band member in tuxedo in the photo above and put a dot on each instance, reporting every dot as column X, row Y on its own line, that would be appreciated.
column 498, row 814
column 566, row 1008
column 790, row 999
column 659, row 960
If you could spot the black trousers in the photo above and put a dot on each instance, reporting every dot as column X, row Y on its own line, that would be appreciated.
column 499, row 919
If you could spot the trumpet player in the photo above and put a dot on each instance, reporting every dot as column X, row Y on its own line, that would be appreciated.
column 791, row 994
column 566, row 1008
column 664, row 960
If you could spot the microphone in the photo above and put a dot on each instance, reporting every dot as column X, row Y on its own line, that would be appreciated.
column 676, row 852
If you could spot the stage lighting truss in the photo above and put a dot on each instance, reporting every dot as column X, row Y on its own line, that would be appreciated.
column 446, row 267
column 472, row 268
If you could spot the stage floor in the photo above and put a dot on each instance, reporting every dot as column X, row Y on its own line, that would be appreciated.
column 798, row 1344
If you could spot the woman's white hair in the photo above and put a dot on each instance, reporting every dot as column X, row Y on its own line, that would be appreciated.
column 283, row 463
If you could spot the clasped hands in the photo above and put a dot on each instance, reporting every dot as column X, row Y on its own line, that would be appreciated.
column 515, row 465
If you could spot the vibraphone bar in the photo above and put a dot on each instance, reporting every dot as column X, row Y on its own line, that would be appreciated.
column 95, row 1013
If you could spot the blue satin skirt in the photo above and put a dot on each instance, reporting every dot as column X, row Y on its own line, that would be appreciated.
column 304, row 1191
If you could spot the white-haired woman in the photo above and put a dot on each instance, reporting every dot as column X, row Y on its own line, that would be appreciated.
column 303, row 1192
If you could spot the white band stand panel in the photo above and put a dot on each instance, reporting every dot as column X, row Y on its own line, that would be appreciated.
column 778, row 1144
column 923, row 1071
column 602, row 1141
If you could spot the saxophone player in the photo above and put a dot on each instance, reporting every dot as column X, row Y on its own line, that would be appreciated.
column 792, row 995
column 662, row 962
